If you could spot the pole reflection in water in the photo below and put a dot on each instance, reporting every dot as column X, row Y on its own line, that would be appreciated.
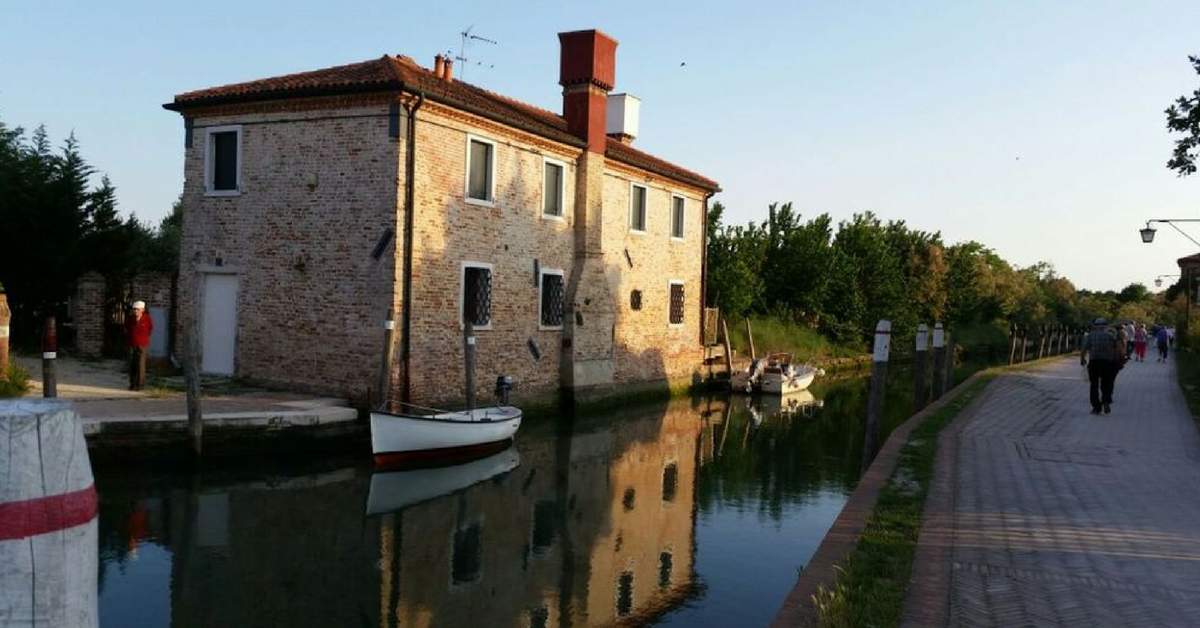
column 692, row 513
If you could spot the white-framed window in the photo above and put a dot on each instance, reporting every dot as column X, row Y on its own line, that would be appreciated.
column 678, row 203
column 223, row 160
column 551, row 298
column 675, row 304
column 475, row 295
column 554, row 188
column 481, row 171
column 637, row 208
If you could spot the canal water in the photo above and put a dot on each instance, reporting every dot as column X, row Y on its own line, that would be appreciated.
column 696, row 512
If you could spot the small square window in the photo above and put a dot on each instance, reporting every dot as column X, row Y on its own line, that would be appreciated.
column 477, row 295
column 481, row 162
column 637, row 208
column 552, row 189
column 677, row 206
column 676, row 305
column 552, row 299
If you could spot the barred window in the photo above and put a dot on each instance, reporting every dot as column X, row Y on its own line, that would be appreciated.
column 676, row 304
column 665, row 564
column 477, row 295
column 552, row 298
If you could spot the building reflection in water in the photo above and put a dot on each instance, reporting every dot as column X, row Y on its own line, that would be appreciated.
column 594, row 527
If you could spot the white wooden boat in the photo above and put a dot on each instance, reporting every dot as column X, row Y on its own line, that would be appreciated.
column 394, row 490
column 775, row 375
column 401, row 437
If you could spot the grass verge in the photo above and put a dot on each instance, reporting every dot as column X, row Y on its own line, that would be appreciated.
column 773, row 335
column 1187, row 368
column 873, row 582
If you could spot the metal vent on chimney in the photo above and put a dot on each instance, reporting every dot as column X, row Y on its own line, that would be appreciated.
column 622, row 123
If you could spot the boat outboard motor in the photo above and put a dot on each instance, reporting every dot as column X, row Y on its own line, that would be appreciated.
column 504, row 384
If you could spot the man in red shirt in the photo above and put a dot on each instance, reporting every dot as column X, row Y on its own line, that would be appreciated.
column 137, row 334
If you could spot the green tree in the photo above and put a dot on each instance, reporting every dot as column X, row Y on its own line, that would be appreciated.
column 1184, row 117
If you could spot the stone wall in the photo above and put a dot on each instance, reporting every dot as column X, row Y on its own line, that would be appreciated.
column 318, row 188
column 320, row 181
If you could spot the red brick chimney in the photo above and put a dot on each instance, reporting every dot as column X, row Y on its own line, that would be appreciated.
column 587, row 72
column 439, row 66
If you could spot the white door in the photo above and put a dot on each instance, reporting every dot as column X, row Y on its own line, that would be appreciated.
column 218, row 325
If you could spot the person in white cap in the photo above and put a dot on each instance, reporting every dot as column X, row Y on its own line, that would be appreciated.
column 137, row 335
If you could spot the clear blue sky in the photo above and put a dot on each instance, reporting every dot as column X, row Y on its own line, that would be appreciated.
column 1034, row 127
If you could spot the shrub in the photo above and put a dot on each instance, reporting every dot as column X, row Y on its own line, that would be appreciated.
column 15, row 382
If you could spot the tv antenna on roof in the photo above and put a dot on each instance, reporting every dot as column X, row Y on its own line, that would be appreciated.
column 461, row 57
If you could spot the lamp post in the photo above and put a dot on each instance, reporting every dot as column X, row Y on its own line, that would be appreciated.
column 1148, row 232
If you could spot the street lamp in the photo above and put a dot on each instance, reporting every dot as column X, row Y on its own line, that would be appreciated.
column 1158, row 280
column 1148, row 232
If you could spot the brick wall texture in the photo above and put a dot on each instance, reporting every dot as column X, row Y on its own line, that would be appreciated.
column 321, row 180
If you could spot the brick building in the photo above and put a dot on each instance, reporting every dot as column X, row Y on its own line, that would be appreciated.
column 320, row 202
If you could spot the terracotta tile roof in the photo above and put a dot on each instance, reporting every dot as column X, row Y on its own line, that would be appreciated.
column 1191, row 260
column 627, row 154
column 389, row 73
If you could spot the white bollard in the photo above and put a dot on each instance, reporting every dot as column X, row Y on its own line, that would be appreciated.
column 920, row 363
column 879, row 361
column 939, row 360
column 47, row 517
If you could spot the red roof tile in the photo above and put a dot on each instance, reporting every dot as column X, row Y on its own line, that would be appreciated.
column 389, row 73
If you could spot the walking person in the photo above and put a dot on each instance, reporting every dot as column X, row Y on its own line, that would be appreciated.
column 1163, row 337
column 137, row 336
column 1100, row 352
column 1139, row 342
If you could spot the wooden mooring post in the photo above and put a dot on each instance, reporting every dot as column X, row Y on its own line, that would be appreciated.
column 469, row 361
column 948, row 380
column 49, row 357
column 191, row 374
column 727, row 347
column 879, row 360
column 920, row 363
column 750, row 339
column 389, row 354
column 5, row 317
column 939, row 360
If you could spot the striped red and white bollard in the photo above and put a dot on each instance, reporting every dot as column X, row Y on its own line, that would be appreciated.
column 47, row 517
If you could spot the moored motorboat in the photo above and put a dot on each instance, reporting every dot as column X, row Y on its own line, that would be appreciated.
column 398, row 437
column 394, row 490
column 775, row 375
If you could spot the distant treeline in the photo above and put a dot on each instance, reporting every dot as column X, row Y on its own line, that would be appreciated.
column 58, row 224
column 840, row 279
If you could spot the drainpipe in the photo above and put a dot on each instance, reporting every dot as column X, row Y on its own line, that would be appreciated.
column 410, row 187
column 704, row 263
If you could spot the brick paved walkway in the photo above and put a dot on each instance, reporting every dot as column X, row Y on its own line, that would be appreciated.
column 1043, row 514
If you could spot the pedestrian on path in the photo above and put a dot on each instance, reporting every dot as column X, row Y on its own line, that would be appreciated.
column 137, row 335
column 1099, row 353
column 1164, row 343
column 1139, row 342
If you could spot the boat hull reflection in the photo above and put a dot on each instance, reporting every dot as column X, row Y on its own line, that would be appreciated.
column 397, row 489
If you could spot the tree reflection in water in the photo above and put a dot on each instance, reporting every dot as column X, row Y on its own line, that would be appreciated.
column 631, row 518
